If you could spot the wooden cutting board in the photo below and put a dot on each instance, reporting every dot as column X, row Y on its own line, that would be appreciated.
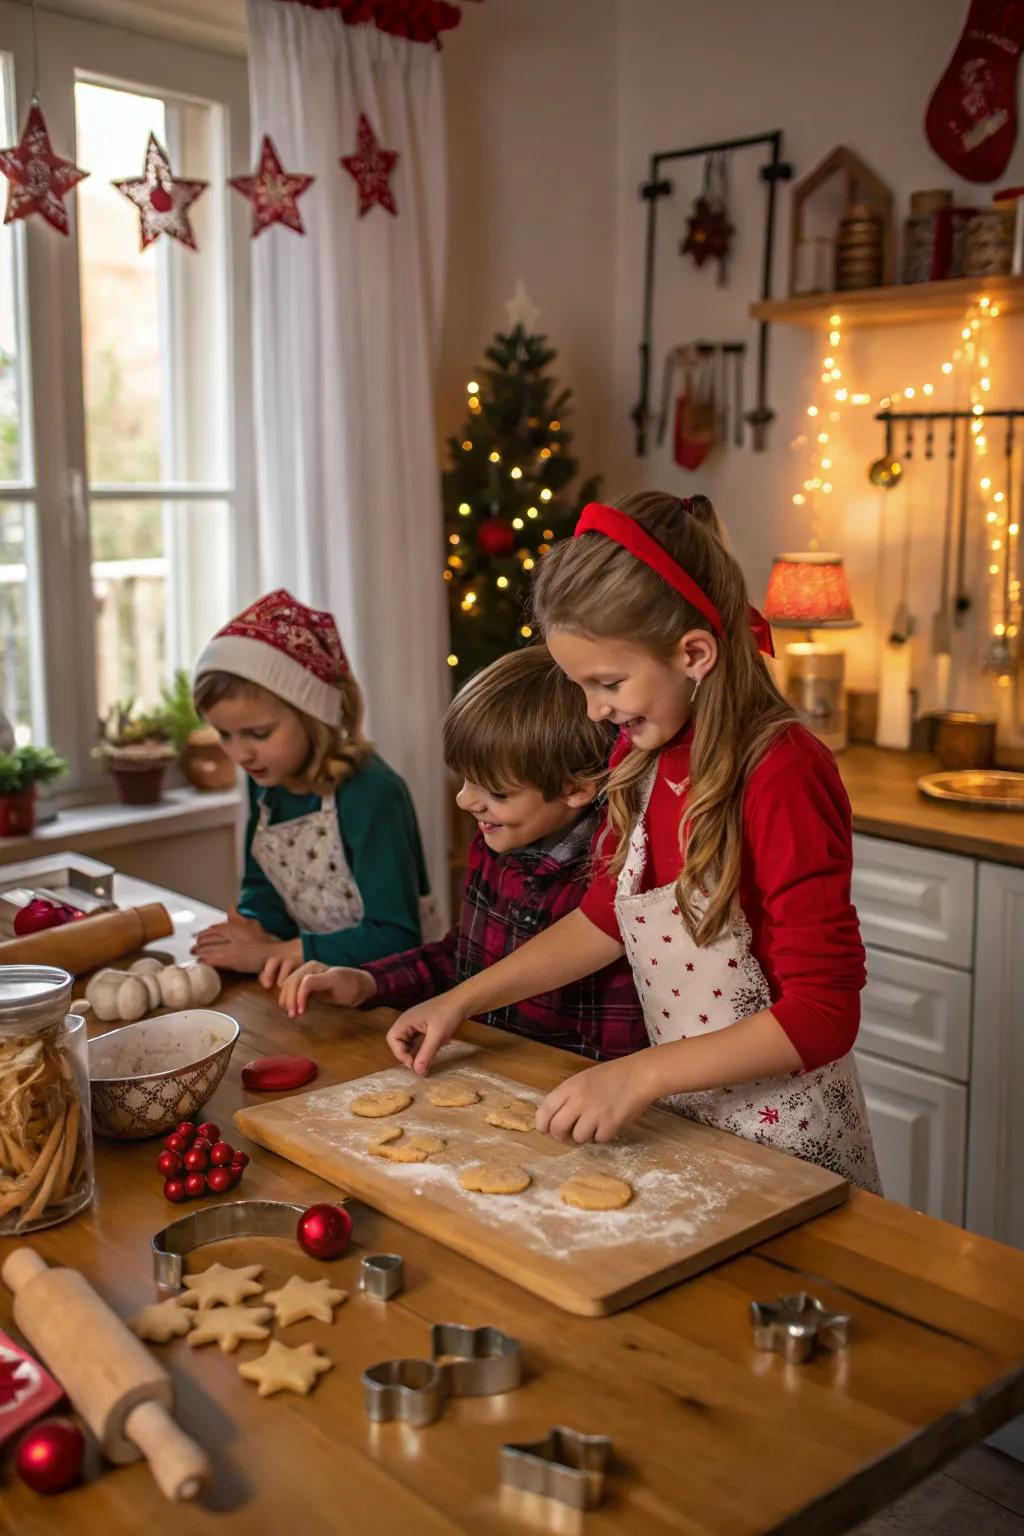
column 700, row 1195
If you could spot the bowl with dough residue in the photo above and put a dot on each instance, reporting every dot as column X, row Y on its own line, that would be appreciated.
column 146, row 1077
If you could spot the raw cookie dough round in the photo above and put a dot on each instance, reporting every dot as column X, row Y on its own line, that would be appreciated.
column 514, row 1115
column 596, row 1192
column 494, row 1179
column 374, row 1105
column 417, row 1149
column 390, row 1133
column 452, row 1096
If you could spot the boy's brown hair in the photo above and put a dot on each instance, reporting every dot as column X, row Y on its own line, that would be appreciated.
column 522, row 722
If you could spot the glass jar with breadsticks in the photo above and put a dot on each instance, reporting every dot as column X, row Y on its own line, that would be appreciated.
column 46, row 1165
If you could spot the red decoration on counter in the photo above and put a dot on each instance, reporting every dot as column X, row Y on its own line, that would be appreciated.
column 273, row 1074
column 40, row 914
column 26, row 1390
column 197, row 1161
column 49, row 1458
column 324, row 1230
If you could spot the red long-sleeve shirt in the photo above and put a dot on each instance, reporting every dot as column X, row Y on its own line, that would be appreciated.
column 794, row 884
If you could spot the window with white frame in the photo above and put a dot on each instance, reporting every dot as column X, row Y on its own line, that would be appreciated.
column 117, row 567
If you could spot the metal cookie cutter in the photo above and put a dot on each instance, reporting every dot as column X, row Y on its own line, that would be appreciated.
column 382, row 1275
column 795, row 1326
column 464, row 1362
column 239, row 1218
column 566, row 1465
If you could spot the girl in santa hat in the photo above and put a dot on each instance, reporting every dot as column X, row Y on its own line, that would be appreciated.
column 334, row 867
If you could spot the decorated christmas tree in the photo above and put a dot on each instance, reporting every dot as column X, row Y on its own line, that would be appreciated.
column 506, row 492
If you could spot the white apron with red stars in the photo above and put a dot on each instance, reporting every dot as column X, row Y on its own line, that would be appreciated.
column 686, row 990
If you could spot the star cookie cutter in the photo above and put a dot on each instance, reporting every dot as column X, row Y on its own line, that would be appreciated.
column 214, row 1223
column 566, row 1465
column 464, row 1362
column 382, row 1275
column 796, row 1326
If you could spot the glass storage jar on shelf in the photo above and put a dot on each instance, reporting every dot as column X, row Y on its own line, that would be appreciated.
column 46, row 1165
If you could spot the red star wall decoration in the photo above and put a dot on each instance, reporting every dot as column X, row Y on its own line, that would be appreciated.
column 370, row 168
column 163, row 200
column 39, row 179
column 273, row 192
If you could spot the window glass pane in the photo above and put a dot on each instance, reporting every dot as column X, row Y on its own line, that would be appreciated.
column 16, row 621
column 160, row 591
column 14, row 457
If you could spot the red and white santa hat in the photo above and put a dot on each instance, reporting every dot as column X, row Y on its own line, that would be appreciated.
column 290, row 650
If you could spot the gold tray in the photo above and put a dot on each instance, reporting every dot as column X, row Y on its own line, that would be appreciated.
column 988, row 789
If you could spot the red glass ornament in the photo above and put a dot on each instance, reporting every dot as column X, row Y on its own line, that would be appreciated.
column 50, row 1456
column 208, row 1130
column 185, row 1128
column 495, row 537
column 38, row 915
column 169, row 1164
column 324, row 1230
column 176, row 1143
column 195, row 1185
column 221, row 1154
column 197, row 1160
column 174, row 1189
column 218, row 1180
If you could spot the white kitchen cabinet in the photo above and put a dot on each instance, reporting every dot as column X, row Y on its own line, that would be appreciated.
column 995, row 1183
column 919, row 1127
column 915, row 901
column 917, row 1013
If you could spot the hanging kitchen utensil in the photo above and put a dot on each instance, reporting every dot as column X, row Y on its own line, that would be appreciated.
column 738, row 352
column 695, row 411
column 962, row 600
column 902, row 621
column 886, row 471
column 708, row 230
column 999, row 653
column 674, row 360
column 721, row 388
column 942, row 629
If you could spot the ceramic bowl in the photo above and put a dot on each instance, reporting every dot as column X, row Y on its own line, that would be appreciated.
column 146, row 1077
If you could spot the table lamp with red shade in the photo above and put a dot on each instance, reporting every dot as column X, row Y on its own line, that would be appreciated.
column 809, row 591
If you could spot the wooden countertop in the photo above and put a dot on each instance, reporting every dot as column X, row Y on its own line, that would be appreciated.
column 710, row 1436
column 886, row 801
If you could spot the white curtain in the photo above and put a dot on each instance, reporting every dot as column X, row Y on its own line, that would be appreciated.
column 346, row 323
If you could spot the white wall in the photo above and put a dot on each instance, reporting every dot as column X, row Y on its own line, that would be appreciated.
column 826, row 74
column 530, row 89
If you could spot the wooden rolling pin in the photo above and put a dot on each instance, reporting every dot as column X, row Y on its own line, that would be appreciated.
column 92, row 941
column 124, row 1395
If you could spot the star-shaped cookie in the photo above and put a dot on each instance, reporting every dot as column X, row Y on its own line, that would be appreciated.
column 219, row 1286
column 282, row 1369
column 300, row 1298
column 161, row 1321
column 228, row 1326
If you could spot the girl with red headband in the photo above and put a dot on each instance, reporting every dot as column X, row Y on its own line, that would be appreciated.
column 723, row 871
column 334, row 867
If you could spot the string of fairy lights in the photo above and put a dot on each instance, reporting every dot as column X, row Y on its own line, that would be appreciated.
column 971, row 360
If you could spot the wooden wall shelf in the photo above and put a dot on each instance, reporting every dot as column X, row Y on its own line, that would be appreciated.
column 904, row 304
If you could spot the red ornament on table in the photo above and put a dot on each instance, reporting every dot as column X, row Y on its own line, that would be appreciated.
column 39, row 914
column 195, row 1185
column 370, row 167
column 39, row 179
column 175, row 1191
column 324, row 1230
column 273, row 192
column 495, row 537
column 971, row 121
column 49, row 1458
column 209, row 1131
column 197, row 1159
column 219, row 1179
column 163, row 200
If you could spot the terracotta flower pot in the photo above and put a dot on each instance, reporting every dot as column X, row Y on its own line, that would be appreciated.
column 18, row 813
column 205, row 763
column 139, row 783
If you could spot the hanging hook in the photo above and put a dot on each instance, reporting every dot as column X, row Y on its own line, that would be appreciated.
column 929, row 439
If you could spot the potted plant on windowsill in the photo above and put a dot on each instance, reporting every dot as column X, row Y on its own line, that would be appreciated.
column 137, row 749
column 203, row 760
column 22, row 770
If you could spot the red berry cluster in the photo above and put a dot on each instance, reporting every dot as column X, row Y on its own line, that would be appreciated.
column 197, row 1161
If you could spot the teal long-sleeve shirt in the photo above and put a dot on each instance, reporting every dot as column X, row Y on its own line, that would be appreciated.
column 382, row 844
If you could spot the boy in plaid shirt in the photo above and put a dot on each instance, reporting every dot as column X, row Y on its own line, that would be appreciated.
column 531, row 762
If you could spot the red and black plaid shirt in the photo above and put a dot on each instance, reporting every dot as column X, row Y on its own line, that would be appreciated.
column 507, row 899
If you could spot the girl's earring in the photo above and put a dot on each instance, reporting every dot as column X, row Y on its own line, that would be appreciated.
column 696, row 686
